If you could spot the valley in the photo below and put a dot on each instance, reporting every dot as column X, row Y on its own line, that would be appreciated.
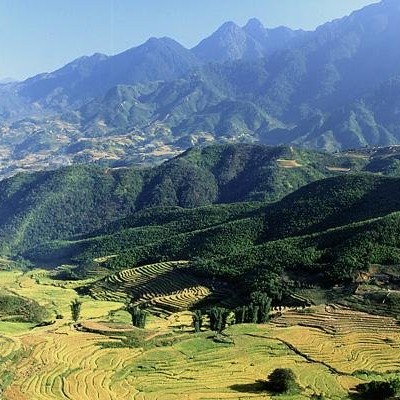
column 299, row 248
column 219, row 221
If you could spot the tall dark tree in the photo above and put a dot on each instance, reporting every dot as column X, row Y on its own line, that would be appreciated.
column 138, row 315
column 253, row 313
column 197, row 317
column 218, row 317
column 75, row 307
column 263, row 302
column 240, row 315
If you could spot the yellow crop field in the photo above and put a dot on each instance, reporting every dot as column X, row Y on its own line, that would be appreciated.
column 288, row 163
column 323, row 347
column 62, row 363
column 166, row 287
column 348, row 341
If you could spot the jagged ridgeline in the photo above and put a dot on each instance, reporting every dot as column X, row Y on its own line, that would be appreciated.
column 334, row 88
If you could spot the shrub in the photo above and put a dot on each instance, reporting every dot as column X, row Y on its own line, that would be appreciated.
column 379, row 390
column 282, row 380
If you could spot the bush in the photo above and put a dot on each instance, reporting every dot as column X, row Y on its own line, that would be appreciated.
column 379, row 390
column 282, row 380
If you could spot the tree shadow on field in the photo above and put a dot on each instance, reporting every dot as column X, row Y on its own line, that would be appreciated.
column 255, row 387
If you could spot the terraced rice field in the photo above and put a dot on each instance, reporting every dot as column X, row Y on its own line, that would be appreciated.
column 164, row 287
column 346, row 340
column 323, row 346
column 66, row 364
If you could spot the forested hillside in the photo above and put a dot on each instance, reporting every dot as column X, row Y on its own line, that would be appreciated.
column 325, row 233
column 77, row 200
column 236, row 211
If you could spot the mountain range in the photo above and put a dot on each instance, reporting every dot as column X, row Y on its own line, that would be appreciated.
column 333, row 88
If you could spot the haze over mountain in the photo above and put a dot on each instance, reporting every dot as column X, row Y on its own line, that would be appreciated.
column 6, row 80
column 333, row 88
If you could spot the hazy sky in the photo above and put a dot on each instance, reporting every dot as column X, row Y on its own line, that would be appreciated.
column 42, row 35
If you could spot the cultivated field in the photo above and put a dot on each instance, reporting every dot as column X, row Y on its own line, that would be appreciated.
column 164, row 287
column 346, row 340
column 288, row 163
column 168, row 361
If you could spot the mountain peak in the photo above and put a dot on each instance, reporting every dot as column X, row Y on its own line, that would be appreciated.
column 254, row 24
column 256, row 29
column 155, row 41
column 228, row 27
column 155, row 44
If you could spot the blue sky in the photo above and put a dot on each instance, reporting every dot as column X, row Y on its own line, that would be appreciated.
column 43, row 35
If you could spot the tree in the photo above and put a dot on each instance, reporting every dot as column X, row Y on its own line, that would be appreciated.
column 75, row 306
column 218, row 317
column 253, row 313
column 257, row 312
column 381, row 390
column 138, row 315
column 240, row 315
column 263, row 304
column 197, row 320
column 282, row 380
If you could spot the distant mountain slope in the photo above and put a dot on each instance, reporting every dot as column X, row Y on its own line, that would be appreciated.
column 161, row 59
column 334, row 88
column 89, row 77
column 371, row 119
column 325, row 91
column 231, row 42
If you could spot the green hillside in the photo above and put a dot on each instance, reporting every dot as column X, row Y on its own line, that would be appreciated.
column 77, row 200
column 345, row 223
column 275, row 218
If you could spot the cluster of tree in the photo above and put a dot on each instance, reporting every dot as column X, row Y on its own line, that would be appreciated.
column 257, row 312
column 138, row 315
column 218, row 318
column 379, row 389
